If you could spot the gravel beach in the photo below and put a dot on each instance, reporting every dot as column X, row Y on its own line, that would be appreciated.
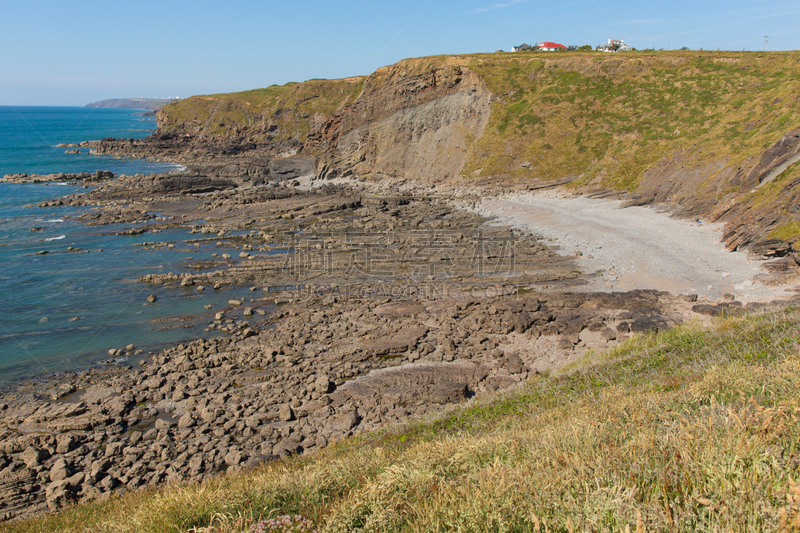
column 636, row 247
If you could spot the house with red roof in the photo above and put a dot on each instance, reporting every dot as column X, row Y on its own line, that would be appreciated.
column 550, row 47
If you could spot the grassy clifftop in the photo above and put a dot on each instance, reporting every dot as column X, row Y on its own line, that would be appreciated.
column 691, row 430
column 610, row 118
column 277, row 112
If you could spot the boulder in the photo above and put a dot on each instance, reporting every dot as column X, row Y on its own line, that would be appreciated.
column 652, row 324
column 235, row 458
column 286, row 447
column 513, row 363
column 346, row 421
column 59, row 470
column 323, row 385
column 58, row 495
column 162, row 424
column 286, row 413
column 186, row 421
column 99, row 467
column 66, row 443
column 34, row 456
column 398, row 309
column 608, row 334
column 416, row 383
column 196, row 465
column 396, row 343
column 565, row 343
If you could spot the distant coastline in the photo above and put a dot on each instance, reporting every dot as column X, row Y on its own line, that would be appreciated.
column 149, row 104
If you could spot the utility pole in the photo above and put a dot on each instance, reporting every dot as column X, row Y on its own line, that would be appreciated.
column 766, row 38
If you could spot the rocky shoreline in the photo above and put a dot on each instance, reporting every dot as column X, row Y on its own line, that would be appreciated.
column 351, row 308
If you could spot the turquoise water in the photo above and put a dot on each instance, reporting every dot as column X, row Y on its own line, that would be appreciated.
column 29, row 135
column 65, row 310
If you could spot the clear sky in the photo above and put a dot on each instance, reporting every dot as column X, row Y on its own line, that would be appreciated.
column 73, row 53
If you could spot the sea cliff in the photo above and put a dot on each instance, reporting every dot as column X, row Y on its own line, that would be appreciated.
column 710, row 134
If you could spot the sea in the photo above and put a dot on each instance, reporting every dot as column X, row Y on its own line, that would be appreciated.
column 65, row 310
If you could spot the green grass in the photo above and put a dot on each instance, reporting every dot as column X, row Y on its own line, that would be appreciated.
column 787, row 232
column 631, row 111
column 290, row 107
column 695, row 429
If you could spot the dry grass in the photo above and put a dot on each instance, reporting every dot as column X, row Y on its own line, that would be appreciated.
column 692, row 430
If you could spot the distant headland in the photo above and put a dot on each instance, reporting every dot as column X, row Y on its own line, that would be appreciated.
column 150, row 104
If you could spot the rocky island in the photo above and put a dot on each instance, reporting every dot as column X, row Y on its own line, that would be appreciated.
column 370, row 284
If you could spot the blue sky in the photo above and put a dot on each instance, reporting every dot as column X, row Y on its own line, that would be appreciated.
column 73, row 53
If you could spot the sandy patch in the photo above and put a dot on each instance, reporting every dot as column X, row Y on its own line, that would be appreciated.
column 636, row 247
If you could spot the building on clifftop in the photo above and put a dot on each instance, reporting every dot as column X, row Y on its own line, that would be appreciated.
column 615, row 45
column 549, row 46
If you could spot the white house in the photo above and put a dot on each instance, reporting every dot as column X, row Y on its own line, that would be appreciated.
column 615, row 45
column 549, row 46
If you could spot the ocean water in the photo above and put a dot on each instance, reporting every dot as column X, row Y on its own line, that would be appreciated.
column 29, row 135
column 66, row 309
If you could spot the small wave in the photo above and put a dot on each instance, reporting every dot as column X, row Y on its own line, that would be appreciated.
column 55, row 220
column 56, row 238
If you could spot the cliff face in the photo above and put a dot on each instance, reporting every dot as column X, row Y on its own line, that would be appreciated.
column 416, row 118
column 712, row 134
column 407, row 123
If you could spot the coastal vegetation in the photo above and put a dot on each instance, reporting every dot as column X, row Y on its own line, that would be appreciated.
column 278, row 108
column 694, row 429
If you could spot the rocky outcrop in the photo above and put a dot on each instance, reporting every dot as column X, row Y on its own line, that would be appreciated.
column 86, row 177
column 192, row 185
column 293, row 365
column 263, row 171
column 775, row 160
column 289, row 383
column 428, row 383
column 771, row 201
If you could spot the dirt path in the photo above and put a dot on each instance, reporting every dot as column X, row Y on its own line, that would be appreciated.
column 636, row 247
